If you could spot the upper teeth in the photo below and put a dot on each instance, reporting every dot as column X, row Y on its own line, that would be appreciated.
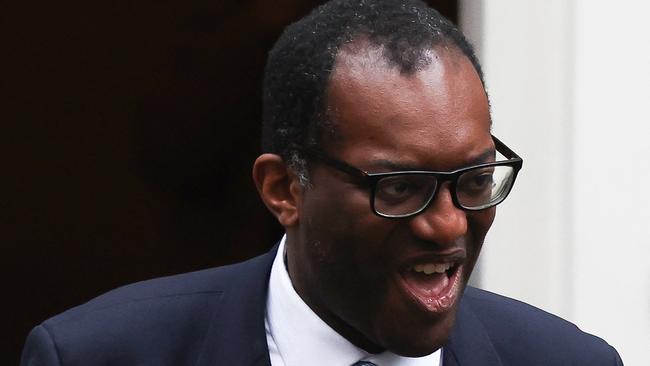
column 430, row 268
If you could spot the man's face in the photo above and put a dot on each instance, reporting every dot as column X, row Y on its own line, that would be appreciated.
column 361, row 273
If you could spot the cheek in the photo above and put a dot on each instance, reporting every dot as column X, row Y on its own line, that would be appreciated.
column 337, row 212
column 484, row 221
column 344, row 240
column 479, row 225
column 324, row 226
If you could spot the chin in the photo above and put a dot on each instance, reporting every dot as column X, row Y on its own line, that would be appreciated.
column 420, row 348
column 420, row 341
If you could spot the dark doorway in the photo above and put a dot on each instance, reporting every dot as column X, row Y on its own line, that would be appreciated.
column 129, row 130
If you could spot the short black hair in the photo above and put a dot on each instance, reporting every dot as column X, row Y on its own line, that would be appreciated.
column 300, row 64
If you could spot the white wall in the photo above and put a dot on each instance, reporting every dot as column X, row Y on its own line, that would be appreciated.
column 569, row 82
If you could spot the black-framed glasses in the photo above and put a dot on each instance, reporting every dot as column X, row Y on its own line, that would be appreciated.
column 406, row 193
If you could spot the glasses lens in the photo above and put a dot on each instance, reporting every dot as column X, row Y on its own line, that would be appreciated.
column 404, row 194
column 484, row 187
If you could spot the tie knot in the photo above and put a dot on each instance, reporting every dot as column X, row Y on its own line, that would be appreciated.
column 364, row 363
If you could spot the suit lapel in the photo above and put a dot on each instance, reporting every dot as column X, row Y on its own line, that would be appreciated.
column 236, row 334
column 469, row 344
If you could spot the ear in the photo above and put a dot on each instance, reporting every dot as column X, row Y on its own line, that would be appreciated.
column 278, row 187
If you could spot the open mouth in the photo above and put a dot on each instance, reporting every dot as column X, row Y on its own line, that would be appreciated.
column 434, row 285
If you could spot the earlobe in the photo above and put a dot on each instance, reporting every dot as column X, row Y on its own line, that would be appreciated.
column 278, row 187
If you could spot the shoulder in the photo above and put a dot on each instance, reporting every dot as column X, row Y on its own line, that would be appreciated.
column 520, row 331
column 163, row 316
column 164, row 293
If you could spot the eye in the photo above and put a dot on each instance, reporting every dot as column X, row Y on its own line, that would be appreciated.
column 398, row 188
column 482, row 181
column 478, row 181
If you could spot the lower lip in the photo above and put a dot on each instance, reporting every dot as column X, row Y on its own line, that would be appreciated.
column 437, row 303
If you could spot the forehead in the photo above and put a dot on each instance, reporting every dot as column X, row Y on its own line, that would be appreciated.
column 377, row 110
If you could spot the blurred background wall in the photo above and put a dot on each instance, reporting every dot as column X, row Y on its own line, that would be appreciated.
column 128, row 134
column 569, row 82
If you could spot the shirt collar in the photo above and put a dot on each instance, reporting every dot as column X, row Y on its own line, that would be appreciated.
column 303, row 338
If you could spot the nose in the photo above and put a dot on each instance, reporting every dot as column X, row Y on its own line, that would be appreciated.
column 441, row 222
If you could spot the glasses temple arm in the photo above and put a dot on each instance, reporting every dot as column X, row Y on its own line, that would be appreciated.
column 505, row 150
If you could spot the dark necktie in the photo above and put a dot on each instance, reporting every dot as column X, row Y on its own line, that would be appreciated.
column 363, row 363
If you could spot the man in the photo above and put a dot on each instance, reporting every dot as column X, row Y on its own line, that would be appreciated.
column 380, row 164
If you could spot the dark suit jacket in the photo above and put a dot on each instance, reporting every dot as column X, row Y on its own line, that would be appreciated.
column 216, row 317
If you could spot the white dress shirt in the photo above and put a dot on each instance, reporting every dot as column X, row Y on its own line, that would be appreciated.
column 296, row 336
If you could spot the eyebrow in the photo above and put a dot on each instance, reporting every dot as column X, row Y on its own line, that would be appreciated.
column 390, row 165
